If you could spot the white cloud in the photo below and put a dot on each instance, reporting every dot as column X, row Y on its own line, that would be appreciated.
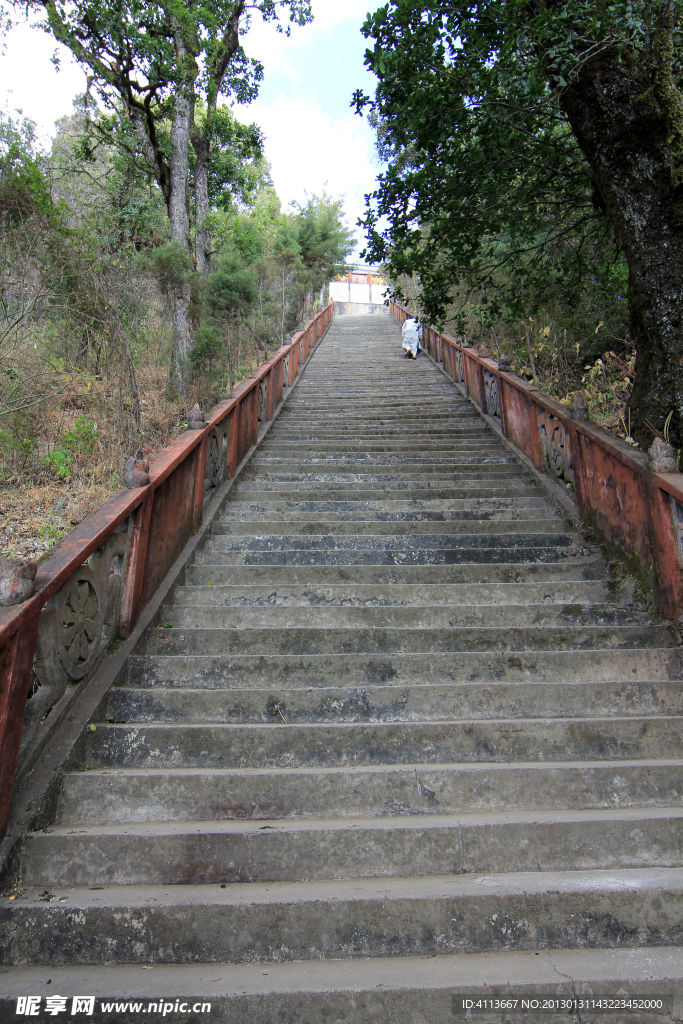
column 274, row 49
column 309, row 151
column 327, row 13
column 30, row 82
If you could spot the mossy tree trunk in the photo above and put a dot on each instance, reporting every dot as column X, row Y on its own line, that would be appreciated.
column 627, row 116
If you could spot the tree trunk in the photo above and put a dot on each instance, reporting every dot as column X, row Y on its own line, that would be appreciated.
column 202, row 146
column 179, row 215
column 627, row 117
column 282, row 324
column 531, row 353
column 218, row 66
column 231, row 374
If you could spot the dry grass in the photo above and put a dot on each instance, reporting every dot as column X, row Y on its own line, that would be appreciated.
column 34, row 516
column 37, row 506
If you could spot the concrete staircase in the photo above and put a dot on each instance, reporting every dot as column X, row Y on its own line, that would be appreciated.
column 401, row 700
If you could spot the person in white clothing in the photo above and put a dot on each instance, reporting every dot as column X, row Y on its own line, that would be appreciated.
column 412, row 336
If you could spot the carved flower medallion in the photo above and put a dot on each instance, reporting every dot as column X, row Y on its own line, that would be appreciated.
column 80, row 611
column 79, row 619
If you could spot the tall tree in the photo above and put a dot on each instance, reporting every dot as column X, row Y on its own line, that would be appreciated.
column 287, row 256
column 512, row 126
column 224, row 151
column 324, row 241
column 157, row 59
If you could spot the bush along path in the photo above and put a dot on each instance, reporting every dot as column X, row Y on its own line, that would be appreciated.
column 395, row 713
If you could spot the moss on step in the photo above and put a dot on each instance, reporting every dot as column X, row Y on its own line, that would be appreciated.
column 625, row 566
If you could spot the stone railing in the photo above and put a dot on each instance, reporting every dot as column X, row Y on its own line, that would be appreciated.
column 632, row 501
column 99, row 578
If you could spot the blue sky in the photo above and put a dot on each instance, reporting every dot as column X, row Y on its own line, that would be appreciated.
column 313, row 140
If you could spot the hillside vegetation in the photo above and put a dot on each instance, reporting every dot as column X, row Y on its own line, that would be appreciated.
column 532, row 185
column 89, row 275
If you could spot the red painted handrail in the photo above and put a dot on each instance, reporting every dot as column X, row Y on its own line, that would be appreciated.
column 632, row 506
column 166, row 512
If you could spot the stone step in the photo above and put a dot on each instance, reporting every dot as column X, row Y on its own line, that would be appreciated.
column 278, row 446
column 209, row 616
column 399, row 595
column 302, row 745
column 429, row 988
column 430, row 702
column 438, row 415
column 363, row 409
column 498, row 460
column 466, row 507
column 397, row 640
column 380, row 441
column 119, row 796
column 258, row 516
column 444, row 457
column 402, row 458
column 390, row 536
column 459, row 484
column 317, row 398
column 209, row 853
column 402, row 418
column 591, row 568
column 352, row 436
column 634, row 665
column 319, row 490
column 487, row 468
column 340, row 438
column 451, row 429
column 285, row 921
column 404, row 554
column 317, row 529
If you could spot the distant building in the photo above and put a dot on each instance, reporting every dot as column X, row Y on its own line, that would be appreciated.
column 359, row 290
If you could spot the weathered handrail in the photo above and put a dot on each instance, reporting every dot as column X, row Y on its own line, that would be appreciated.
column 618, row 493
column 101, row 576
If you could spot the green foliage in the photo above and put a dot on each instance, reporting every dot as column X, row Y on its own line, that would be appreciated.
column 87, row 283
column 236, row 168
column 230, row 292
column 17, row 441
column 535, row 159
column 231, row 289
column 142, row 56
column 248, row 238
column 51, row 531
column 324, row 241
column 24, row 188
column 286, row 247
column 486, row 187
column 77, row 443
column 169, row 263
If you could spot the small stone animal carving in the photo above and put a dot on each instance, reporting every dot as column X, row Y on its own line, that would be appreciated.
column 578, row 408
column 16, row 580
column 137, row 474
column 196, row 421
column 662, row 457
